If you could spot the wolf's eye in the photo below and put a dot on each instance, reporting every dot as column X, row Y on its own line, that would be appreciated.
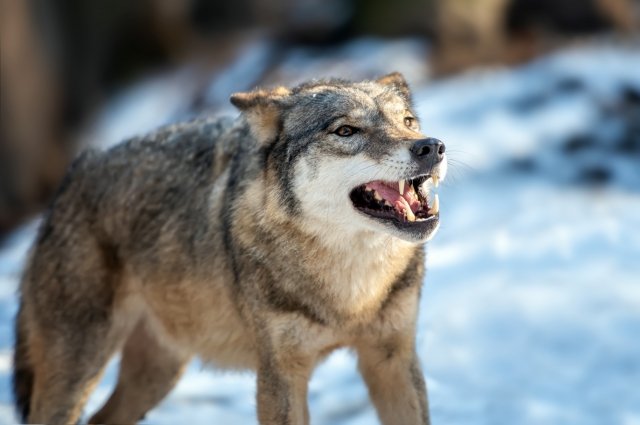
column 409, row 121
column 346, row 131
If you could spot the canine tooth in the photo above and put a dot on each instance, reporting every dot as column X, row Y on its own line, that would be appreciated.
column 435, row 208
column 377, row 196
column 408, row 213
column 401, row 187
column 436, row 181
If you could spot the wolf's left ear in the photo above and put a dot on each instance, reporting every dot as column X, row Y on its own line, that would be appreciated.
column 396, row 81
column 262, row 109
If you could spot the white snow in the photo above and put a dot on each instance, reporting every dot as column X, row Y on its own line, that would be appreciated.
column 530, row 312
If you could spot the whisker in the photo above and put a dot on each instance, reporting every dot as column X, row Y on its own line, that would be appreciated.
column 457, row 163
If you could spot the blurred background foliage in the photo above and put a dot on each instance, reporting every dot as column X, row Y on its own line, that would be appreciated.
column 63, row 60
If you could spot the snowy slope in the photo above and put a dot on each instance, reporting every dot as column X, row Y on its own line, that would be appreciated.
column 531, row 307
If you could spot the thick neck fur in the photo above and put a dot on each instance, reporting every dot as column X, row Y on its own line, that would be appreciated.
column 354, row 270
column 359, row 268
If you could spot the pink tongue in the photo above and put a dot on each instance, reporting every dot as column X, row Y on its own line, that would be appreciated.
column 409, row 198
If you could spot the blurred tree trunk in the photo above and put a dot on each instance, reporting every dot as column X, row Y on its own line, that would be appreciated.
column 60, row 60
column 468, row 32
column 476, row 32
column 32, row 151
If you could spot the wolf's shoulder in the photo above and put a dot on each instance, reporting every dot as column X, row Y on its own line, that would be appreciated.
column 177, row 137
column 190, row 146
column 175, row 157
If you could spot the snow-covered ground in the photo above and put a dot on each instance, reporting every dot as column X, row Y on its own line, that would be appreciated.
column 531, row 307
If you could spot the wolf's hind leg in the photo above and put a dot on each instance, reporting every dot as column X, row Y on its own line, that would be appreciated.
column 148, row 371
column 75, row 315
column 66, row 369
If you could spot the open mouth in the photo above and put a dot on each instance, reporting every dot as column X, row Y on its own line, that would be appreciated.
column 403, row 202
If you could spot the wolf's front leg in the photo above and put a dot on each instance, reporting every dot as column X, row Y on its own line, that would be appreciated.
column 396, row 384
column 285, row 365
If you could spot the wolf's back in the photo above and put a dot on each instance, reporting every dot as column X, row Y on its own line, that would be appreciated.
column 113, row 194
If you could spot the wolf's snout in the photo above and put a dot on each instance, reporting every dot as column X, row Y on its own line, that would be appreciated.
column 429, row 148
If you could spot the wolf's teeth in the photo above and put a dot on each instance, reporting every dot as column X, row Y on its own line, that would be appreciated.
column 401, row 187
column 377, row 196
column 435, row 208
column 406, row 210
column 436, row 181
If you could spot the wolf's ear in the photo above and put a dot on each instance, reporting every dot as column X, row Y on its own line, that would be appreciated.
column 262, row 109
column 397, row 81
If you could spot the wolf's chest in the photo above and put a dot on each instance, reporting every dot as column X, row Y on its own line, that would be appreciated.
column 360, row 282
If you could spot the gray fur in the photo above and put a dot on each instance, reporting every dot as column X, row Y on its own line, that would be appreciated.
column 199, row 240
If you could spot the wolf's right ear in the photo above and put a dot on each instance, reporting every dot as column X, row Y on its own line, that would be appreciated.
column 262, row 109
column 397, row 81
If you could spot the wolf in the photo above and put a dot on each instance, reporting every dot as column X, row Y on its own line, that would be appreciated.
column 263, row 242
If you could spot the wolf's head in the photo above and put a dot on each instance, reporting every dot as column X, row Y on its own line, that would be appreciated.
column 349, row 157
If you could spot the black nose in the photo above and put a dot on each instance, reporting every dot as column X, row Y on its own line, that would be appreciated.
column 428, row 148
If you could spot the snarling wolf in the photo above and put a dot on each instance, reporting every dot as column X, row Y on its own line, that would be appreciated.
column 262, row 243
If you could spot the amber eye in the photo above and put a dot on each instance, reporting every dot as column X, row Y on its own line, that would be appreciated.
column 408, row 121
column 346, row 131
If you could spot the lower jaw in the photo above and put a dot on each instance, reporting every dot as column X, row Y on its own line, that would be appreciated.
column 421, row 229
